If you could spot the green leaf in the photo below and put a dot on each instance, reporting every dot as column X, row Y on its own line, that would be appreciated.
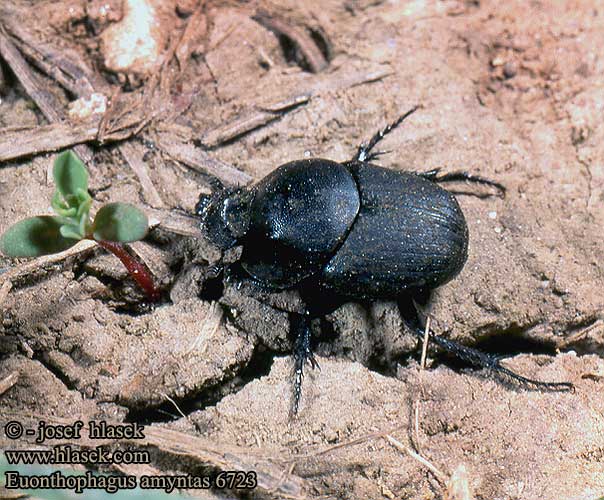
column 83, row 217
column 120, row 222
column 71, row 231
column 34, row 237
column 71, row 177
column 60, row 207
column 83, row 197
column 84, row 207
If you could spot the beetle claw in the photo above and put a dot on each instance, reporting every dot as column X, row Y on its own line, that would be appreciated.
column 314, row 364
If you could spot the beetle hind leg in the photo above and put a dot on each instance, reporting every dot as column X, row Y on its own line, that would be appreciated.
column 434, row 175
column 476, row 357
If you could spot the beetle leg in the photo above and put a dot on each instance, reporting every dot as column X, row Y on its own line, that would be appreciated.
column 433, row 175
column 364, row 153
column 478, row 358
column 302, row 355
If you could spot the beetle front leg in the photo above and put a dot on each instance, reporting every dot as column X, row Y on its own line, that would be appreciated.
column 302, row 355
column 474, row 356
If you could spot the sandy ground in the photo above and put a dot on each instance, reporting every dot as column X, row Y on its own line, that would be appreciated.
column 511, row 92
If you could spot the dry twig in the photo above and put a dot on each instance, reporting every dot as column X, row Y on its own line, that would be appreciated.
column 268, row 113
column 5, row 290
column 53, row 137
column 48, row 104
column 194, row 32
column 250, row 121
column 440, row 476
column 22, row 270
column 134, row 156
column 70, row 72
column 309, row 51
column 175, row 405
column 582, row 333
column 173, row 222
column 425, row 344
column 200, row 161
column 7, row 382
column 56, row 136
column 353, row 442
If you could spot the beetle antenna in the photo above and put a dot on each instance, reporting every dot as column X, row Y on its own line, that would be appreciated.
column 364, row 151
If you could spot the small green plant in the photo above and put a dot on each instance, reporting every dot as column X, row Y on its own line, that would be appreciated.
column 114, row 224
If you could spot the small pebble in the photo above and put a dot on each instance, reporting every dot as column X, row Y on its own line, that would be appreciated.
column 497, row 61
column 510, row 69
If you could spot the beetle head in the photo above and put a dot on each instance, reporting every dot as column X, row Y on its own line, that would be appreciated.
column 224, row 216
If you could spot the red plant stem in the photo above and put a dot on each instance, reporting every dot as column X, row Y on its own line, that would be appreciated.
column 137, row 269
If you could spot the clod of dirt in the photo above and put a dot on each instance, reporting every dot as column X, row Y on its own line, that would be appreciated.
column 85, row 107
column 40, row 391
column 251, row 314
column 102, row 12
column 176, row 351
column 135, row 44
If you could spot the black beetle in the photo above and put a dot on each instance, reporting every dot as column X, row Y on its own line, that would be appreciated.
column 352, row 230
